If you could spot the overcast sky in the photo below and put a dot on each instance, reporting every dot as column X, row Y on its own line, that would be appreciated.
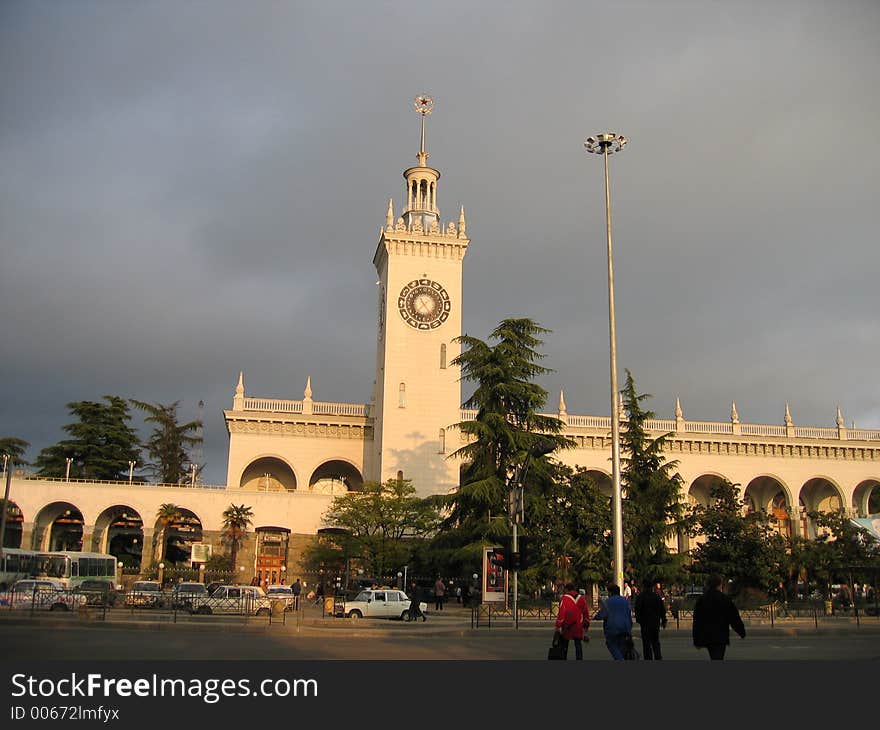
column 192, row 189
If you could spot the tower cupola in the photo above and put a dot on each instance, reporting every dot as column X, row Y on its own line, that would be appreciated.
column 421, row 209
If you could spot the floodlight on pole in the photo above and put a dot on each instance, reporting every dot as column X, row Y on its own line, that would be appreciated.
column 605, row 144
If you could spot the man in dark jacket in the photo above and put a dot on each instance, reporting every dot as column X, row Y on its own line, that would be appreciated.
column 650, row 615
column 415, row 610
column 714, row 615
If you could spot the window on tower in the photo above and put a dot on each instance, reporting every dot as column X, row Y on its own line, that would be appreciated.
column 443, row 356
column 442, row 441
column 401, row 396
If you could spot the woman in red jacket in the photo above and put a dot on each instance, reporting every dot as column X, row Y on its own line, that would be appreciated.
column 572, row 621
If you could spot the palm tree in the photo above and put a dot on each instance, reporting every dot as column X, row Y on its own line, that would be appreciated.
column 165, row 515
column 236, row 520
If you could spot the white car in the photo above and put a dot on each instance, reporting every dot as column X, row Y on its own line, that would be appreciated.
column 233, row 600
column 44, row 594
column 383, row 603
column 282, row 593
column 145, row 594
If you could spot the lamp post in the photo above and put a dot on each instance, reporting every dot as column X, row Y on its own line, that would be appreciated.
column 517, row 512
column 192, row 481
column 131, row 470
column 67, row 469
column 7, row 469
column 605, row 144
column 161, row 574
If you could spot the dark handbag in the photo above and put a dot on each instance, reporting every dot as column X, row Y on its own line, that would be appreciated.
column 556, row 651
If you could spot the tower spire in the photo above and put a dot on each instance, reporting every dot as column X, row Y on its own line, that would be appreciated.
column 421, row 213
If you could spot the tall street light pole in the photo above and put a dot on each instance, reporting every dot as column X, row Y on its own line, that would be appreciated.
column 605, row 144
column 517, row 513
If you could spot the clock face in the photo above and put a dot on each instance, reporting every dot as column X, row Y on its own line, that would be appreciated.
column 424, row 304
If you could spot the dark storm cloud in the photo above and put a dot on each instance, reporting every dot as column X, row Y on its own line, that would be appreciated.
column 193, row 189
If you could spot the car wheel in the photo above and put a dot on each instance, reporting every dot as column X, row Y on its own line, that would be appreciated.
column 404, row 616
column 355, row 614
column 59, row 607
column 263, row 612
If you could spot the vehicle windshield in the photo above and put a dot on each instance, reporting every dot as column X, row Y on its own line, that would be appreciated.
column 363, row 596
column 191, row 588
column 280, row 590
column 146, row 587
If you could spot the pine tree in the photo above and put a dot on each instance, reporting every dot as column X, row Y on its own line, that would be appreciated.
column 652, row 508
column 506, row 426
column 101, row 445
column 169, row 442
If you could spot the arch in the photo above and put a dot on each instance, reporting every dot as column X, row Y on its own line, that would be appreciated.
column 819, row 494
column 14, row 521
column 866, row 498
column 119, row 531
column 268, row 474
column 700, row 490
column 336, row 476
column 769, row 494
column 58, row 526
column 177, row 537
column 602, row 480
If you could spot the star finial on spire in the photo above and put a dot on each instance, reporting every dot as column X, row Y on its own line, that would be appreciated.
column 424, row 105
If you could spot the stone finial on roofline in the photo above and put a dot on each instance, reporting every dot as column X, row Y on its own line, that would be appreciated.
column 238, row 398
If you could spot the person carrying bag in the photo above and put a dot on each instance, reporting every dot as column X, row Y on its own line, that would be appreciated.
column 572, row 622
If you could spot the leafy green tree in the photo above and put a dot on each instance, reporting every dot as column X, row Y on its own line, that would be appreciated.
column 167, row 513
column 170, row 442
column 506, row 426
column 101, row 443
column 739, row 545
column 15, row 448
column 840, row 552
column 236, row 520
column 652, row 508
column 376, row 525
column 568, row 528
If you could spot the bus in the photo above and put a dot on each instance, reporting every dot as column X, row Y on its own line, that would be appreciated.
column 15, row 565
column 67, row 566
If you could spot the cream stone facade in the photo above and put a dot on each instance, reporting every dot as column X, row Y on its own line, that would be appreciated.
column 288, row 458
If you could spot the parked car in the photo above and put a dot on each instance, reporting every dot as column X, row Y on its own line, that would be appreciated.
column 240, row 600
column 281, row 593
column 99, row 592
column 183, row 594
column 145, row 594
column 387, row 603
column 45, row 594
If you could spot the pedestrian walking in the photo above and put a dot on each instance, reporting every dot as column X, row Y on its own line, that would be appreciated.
column 651, row 616
column 414, row 609
column 439, row 592
column 296, row 589
column 572, row 621
column 616, row 622
column 714, row 615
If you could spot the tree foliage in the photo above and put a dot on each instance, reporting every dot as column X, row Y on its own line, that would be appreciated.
column 841, row 549
column 101, row 443
column 170, row 443
column 376, row 526
column 506, row 426
column 15, row 448
column 740, row 545
column 167, row 513
column 568, row 531
column 652, row 508
column 236, row 520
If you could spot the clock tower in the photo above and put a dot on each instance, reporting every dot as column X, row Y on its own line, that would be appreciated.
column 417, row 397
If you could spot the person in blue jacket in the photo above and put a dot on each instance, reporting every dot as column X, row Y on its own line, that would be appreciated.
column 616, row 618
